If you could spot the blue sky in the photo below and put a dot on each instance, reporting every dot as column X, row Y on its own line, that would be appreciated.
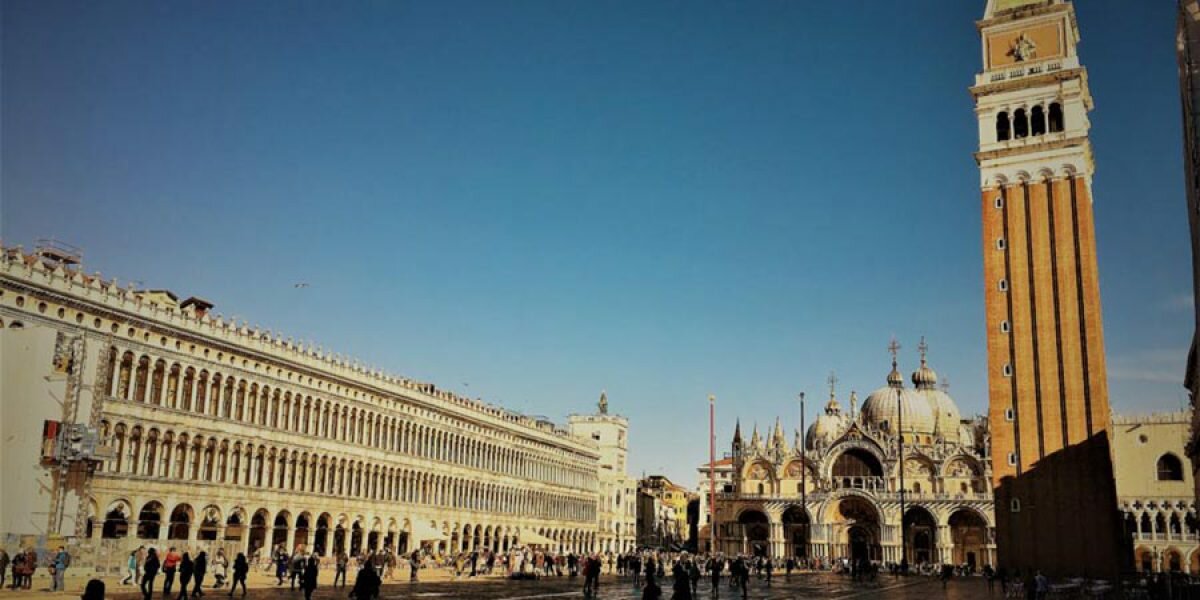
column 534, row 201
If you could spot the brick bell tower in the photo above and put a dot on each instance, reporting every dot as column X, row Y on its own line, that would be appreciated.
column 1056, row 507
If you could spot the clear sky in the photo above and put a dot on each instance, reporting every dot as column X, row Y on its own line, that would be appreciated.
column 534, row 201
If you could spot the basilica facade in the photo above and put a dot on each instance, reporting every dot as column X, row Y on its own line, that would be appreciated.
column 904, row 478
column 130, row 418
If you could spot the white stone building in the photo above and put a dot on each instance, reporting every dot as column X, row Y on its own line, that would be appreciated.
column 1154, row 490
column 617, row 511
column 190, row 430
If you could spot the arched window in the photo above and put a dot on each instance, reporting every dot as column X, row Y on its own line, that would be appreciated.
column 1056, row 117
column 1020, row 124
column 1002, row 127
column 1038, row 120
column 1170, row 468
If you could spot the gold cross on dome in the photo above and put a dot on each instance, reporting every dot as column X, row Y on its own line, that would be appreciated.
column 832, row 380
column 894, row 348
column 922, row 348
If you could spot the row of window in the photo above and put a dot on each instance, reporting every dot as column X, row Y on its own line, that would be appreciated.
column 138, row 379
column 179, row 457
column 332, row 387
column 1038, row 121
column 262, row 531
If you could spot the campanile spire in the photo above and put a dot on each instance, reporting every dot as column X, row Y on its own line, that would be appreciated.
column 1047, row 384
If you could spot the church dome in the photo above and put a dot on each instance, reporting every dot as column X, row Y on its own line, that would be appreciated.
column 825, row 430
column 887, row 406
column 946, row 418
column 924, row 377
column 828, row 427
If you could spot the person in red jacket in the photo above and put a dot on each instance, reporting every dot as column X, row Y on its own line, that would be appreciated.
column 170, row 563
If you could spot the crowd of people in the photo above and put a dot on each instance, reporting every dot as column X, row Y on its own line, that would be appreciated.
column 182, row 576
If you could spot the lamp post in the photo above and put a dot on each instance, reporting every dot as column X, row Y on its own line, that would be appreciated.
column 712, row 478
column 894, row 348
column 803, row 476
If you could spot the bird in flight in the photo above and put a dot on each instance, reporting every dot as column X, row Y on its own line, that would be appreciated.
column 300, row 285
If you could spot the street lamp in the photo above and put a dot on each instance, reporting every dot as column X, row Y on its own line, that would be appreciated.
column 894, row 348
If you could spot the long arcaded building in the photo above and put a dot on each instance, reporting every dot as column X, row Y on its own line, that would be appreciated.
column 130, row 418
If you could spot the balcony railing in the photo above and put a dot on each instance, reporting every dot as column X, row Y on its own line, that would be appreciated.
column 1020, row 70
column 875, row 488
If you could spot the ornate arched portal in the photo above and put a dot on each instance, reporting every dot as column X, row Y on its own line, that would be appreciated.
column 755, row 532
column 969, row 532
column 857, row 526
column 796, row 532
column 920, row 536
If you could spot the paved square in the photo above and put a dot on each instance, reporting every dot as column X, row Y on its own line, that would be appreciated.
column 809, row 585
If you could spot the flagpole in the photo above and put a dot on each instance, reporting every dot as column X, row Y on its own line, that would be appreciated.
column 804, row 477
column 712, row 478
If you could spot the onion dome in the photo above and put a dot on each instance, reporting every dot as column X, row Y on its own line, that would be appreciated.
column 828, row 427
column 946, row 418
column 945, row 412
column 826, row 430
column 894, row 379
column 924, row 377
column 889, row 407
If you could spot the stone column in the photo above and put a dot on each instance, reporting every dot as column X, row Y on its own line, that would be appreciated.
column 290, row 544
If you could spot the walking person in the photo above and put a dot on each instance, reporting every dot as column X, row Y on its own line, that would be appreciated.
column 58, row 569
column 366, row 584
column 4, row 560
column 694, row 574
column 281, row 564
column 682, row 585
column 131, row 568
column 341, row 561
column 240, row 568
column 714, row 572
column 18, row 568
column 308, row 582
column 199, row 569
column 149, row 572
column 296, row 570
column 186, row 567
column 414, row 563
column 170, row 564
column 30, row 564
column 220, row 568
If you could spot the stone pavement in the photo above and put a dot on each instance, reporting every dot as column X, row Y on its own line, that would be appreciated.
column 806, row 586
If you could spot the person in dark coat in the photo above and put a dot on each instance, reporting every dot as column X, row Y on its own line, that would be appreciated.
column 651, row 591
column 199, row 568
column 240, row 568
column 366, row 584
column 682, row 586
column 149, row 572
column 308, row 582
column 186, row 568
column 93, row 591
